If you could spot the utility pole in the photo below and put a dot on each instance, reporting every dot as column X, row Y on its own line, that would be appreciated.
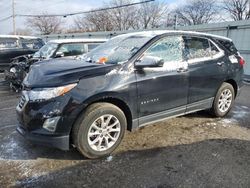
column 14, row 17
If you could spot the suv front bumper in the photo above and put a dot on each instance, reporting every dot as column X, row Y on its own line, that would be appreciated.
column 33, row 115
column 60, row 142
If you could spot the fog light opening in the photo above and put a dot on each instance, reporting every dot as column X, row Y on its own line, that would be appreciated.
column 50, row 124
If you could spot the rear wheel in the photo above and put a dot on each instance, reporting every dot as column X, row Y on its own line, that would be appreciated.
column 224, row 100
column 99, row 130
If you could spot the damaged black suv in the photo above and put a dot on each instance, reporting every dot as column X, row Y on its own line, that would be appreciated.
column 130, row 81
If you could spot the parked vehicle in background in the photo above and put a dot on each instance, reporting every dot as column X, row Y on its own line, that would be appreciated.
column 67, row 48
column 12, row 46
column 130, row 81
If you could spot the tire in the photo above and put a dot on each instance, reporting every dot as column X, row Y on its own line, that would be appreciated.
column 92, row 137
column 224, row 97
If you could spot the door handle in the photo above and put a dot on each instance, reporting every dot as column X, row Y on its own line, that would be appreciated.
column 220, row 63
column 182, row 69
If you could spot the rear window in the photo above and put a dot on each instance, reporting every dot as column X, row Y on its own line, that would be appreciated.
column 229, row 46
column 8, row 43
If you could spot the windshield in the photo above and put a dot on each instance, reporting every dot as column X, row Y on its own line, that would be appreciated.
column 117, row 50
column 46, row 51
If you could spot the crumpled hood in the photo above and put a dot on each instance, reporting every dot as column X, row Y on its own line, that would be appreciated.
column 57, row 72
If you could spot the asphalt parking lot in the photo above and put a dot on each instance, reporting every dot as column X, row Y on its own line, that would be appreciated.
column 196, row 150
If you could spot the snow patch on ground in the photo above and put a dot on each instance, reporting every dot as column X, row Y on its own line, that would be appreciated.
column 237, row 114
column 109, row 158
column 8, row 149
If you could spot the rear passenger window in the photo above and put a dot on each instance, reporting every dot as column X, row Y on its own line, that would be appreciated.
column 169, row 49
column 8, row 43
column 196, row 48
column 31, row 43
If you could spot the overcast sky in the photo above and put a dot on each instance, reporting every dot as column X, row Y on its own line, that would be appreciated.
column 50, row 7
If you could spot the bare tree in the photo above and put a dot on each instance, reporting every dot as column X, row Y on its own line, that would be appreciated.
column 122, row 18
column 45, row 25
column 196, row 12
column 152, row 15
column 144, row 16
column 95, row 21
column 115, row 19
column 238, row 9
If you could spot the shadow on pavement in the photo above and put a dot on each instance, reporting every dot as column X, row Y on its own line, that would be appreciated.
column 210, row 163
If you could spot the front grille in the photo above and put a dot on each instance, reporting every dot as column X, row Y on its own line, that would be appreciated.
column 22, row 102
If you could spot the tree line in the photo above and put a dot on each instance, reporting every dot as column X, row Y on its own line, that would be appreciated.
column 156, row 14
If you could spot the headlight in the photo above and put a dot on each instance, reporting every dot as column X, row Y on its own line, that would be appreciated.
column 13, row 70
column 49, row 93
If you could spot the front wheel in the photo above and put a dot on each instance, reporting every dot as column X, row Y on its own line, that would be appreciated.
column 99, row 130
column 224, row 100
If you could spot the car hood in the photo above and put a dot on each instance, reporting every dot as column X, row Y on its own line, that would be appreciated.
column 57, row 72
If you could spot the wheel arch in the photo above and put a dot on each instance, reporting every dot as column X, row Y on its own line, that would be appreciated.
column 120, row 104
column 111, row 98
column 234, row 84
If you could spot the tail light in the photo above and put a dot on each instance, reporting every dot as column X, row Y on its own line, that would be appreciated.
column 242, row 61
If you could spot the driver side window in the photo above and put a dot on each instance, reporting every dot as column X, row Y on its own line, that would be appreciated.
column 169, row 49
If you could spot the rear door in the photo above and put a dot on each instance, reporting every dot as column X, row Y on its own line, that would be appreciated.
column 162, row 91
column 207, row 71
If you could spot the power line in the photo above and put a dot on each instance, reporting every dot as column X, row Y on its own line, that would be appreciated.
column 76, row 13
column 84, row 12
column 6, row 18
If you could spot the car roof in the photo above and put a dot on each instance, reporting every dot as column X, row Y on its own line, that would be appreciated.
column 18, row 37
column 154, row 33
column 92, row 40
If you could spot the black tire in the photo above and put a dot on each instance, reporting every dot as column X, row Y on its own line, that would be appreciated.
column 215, row 110
column 84, row 122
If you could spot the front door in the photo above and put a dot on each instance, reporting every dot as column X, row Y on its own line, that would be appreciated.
column 162, row 91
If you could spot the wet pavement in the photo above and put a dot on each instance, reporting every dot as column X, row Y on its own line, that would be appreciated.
column 196, row 150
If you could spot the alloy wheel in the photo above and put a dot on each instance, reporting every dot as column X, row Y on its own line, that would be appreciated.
column 104, row 132
column 225, row 100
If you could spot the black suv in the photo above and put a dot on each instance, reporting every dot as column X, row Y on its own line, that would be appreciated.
column 12, row 46
column 130, row 81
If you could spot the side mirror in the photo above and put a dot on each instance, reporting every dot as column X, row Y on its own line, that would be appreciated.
column 149, row 61
column 59, row 54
